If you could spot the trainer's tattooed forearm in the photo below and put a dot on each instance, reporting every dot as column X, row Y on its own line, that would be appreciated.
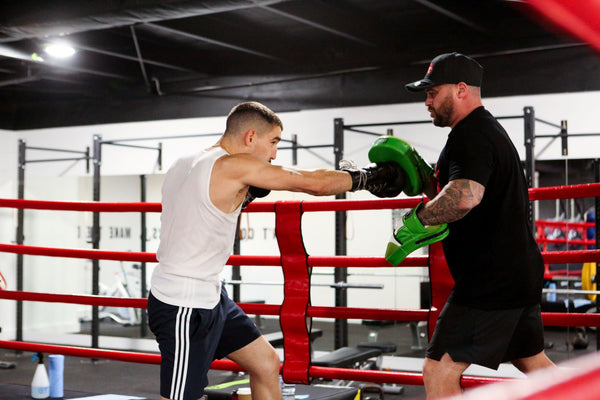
column 455, row 201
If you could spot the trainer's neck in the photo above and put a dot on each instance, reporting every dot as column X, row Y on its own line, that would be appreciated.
column 465, row 108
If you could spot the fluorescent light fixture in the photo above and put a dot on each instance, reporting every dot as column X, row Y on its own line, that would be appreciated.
column 59, row 50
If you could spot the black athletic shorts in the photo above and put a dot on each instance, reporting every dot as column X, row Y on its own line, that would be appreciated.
column 487, row 337
column 189, row 340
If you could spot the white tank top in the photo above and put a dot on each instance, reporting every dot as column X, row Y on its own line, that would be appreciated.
column 196, row 238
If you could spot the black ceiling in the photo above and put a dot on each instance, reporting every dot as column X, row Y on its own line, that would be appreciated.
column 145, row 60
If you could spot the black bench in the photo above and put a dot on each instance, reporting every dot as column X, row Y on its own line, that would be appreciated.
column 276, row 338
column 385, row 348
column 353, row 357
column 346, row 357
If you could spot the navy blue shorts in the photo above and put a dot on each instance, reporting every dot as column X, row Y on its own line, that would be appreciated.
column 487, row 337
column 189, row 340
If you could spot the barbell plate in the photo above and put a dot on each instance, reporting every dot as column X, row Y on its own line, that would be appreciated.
column 588, row 278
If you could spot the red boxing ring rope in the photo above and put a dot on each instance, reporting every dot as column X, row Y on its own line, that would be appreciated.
column 296, row 263
column 143, row 358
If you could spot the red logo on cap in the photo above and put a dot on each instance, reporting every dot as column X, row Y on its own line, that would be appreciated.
column 430, row 68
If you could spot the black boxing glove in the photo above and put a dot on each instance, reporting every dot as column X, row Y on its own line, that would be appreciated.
column 254, row 193
column 384, row 179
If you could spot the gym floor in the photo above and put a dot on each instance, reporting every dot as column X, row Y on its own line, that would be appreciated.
column 83, row 377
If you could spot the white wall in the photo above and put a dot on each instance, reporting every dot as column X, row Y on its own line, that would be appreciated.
column 367, row 231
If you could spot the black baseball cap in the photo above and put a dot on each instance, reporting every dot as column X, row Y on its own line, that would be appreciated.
column 449, row 68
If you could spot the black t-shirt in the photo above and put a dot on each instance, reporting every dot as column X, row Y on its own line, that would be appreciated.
column 491, row 252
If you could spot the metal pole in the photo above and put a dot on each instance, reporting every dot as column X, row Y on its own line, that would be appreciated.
column 96, row 239
column 564, row 134
column 340, row 274
column 294, row 149
column 143, row 238
column 529, row 129
column 20, row 236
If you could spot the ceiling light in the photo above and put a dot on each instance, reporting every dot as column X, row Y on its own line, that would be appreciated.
column 59, row 50
column 36, row 57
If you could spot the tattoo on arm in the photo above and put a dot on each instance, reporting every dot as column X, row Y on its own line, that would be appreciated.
column 455, row 201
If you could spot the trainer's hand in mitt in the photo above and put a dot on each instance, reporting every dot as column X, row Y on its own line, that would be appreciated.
column 418, row 172
column 412, row 235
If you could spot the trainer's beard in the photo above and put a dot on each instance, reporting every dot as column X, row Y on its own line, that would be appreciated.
column 442, row 115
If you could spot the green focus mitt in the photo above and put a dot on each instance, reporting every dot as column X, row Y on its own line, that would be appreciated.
column 391, row 148
column 412, row 235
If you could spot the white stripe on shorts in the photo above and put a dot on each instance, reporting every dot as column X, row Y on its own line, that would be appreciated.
column 182, row 353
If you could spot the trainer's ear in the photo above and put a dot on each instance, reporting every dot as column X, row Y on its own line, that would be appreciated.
column 249, row 137
column 462, row 90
